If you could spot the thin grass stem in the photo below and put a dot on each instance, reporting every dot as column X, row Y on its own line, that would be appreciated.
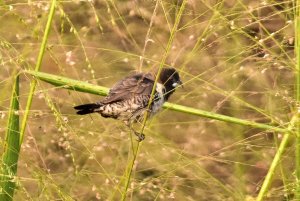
column 277, row 158
column 162, row 63
column 37, row 68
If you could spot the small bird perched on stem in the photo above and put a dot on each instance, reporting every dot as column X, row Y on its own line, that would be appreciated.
column 128, row 99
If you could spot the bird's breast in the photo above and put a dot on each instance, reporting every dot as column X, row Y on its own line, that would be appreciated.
column 158, row 100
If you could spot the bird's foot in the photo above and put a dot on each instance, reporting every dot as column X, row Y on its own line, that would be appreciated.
column 140, row 136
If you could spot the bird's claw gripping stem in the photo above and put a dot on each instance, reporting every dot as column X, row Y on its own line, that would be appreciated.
column 140, row 136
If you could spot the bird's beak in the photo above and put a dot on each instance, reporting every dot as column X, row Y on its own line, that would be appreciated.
column 179, row 83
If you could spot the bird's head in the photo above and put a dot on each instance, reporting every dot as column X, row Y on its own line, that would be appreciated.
column 169, row 77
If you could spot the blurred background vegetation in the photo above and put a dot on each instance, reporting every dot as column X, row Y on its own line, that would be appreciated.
column 235, row 58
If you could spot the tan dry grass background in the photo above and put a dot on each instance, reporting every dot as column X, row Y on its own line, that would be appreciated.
column 235, row 58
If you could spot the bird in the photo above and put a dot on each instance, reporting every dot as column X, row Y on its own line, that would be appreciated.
column 129, row 98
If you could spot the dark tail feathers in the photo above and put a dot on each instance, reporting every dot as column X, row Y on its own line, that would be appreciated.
column 87, row 108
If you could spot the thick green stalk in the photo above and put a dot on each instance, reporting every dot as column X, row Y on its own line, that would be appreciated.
column 68, row 83
column 37, row 68
column 71, row 84
column 211, row 115
column 11, row 148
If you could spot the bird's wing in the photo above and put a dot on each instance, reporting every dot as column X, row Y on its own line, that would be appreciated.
column 137, row 84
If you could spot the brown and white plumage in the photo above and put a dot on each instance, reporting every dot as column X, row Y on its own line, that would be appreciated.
column 128, row 99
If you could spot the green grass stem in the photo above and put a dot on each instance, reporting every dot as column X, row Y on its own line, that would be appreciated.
column 15, row 135
column 11, row 147
column 162, row 63
column 276, row 160
column 68, row 83
column 37, row 68
column 81, row 86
